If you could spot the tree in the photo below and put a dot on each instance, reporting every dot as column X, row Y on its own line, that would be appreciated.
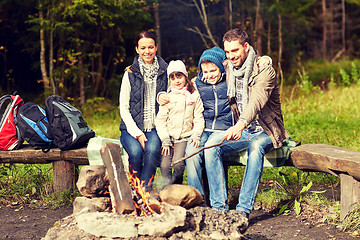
column 88, row 37
column 201, row 9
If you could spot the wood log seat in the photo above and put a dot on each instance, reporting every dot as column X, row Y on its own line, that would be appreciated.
column 340, row 162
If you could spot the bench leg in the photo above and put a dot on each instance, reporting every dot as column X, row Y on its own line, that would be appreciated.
column 350, row 194
column 63, row 174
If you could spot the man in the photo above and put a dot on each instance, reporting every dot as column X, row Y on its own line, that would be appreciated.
column 254, row 95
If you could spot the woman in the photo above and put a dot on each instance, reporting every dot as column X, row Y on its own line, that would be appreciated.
column 142, row 81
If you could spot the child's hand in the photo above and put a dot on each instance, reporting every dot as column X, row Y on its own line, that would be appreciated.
column 195, row 142
column 264, row 61
column 163, row 99
column 165, row 150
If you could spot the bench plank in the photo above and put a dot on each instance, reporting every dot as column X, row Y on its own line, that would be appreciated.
column 326, row 158
column 28, row 155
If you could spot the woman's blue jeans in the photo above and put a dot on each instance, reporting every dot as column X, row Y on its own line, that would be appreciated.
column 144, row 162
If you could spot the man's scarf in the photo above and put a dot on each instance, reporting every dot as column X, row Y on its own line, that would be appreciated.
column 243, row 74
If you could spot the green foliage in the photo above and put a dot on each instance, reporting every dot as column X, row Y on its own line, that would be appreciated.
column 89, row 40
column 304, row 82
column 352, row 220
column 295, row 192
column 103, row 117
column 329, row 117
column 321, row 73
column 270, row 198
column 25, row 182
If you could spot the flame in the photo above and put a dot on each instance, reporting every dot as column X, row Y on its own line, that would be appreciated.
column 140, row 190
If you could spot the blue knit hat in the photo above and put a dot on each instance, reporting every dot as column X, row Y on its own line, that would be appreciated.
column 215, row 55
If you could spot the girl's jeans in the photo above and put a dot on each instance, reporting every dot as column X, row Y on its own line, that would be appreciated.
column 168, row 175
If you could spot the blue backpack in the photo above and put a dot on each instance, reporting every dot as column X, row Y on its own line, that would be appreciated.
column 34, row 126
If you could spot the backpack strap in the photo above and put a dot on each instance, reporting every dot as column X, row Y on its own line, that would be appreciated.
column 4, row 104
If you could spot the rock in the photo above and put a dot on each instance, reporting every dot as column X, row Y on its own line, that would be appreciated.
column 163, row 225
column 181, row 195
column 217, row 235
column 111, row 225
column 98, row 204
column 92, row 181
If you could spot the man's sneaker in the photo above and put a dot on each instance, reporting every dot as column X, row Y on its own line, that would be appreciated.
column 245, row 219
column 244, row 214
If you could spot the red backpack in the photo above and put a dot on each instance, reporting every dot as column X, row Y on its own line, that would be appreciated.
column 9, row 105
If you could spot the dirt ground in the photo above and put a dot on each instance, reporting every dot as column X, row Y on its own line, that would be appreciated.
column 25, row 222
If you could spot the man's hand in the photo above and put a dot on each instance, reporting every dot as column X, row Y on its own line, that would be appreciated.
column 235, row 132
column 142, row 139
column 165, row 150
column 163, row 99
column 195, row 142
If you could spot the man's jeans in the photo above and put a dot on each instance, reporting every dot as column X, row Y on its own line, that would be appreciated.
column 258, row 144
column 258, row 147
column 144, row 162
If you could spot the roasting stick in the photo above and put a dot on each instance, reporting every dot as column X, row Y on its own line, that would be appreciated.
column 199, row 150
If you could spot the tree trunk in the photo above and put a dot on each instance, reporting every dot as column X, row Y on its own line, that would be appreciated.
column 98, row 73
column 269, row 39
column 280, row 73
column 331, row 28
column 157, row 27
column 258, row 28
column 42, row 50
column 324, row 15
column 51, row 51
column 228, row 15
column 343, row 25
column 81, row 80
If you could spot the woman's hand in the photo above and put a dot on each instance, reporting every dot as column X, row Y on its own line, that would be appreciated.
column 165, row 150
column 195, row 142
column 142, row 139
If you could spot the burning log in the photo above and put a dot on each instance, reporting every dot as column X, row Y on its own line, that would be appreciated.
column 120, row 191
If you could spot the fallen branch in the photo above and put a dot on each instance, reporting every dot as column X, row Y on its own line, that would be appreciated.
column 194, row 153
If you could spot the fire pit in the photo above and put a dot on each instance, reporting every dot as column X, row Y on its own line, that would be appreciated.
column 114, row 206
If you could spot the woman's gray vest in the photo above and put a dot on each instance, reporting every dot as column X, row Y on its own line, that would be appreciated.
column 137, row 91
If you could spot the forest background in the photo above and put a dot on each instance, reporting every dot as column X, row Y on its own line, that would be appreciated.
column 79, row 48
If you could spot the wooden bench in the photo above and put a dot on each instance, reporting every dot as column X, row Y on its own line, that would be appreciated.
column 340, row 162
column 64, row 163
column 337, row 161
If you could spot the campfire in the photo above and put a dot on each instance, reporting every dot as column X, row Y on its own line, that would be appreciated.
column 115, row 205
column 126, row 190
